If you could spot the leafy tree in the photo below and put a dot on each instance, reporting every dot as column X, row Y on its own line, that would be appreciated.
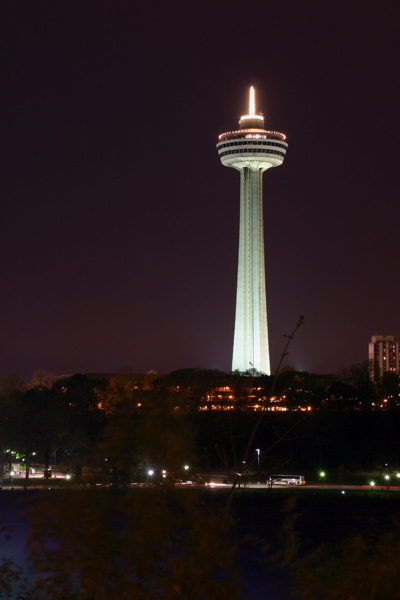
column 191, row 386
column 10, row 426
column 241, row 384
column 145, row 543
column 148, row 543
column 360, row 378
column 41, row 378
column 389, row 388
column 86, row 419
column 9, row 384
column 342, row 396
column 149, row 435
column 43, row 425
column 357, row 567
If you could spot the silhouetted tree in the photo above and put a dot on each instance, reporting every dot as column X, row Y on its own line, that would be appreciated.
column 388, row 389
column 41, row 378
column 359, row 566
column 82, row 397
column 360, row 378
column 43, row 424
column 148, row 543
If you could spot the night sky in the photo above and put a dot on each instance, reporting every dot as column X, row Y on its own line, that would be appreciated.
column 120, row 226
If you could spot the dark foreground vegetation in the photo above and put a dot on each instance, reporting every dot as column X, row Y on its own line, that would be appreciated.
column 162, row 540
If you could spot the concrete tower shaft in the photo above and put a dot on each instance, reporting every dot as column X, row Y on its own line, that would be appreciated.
column 251, row 150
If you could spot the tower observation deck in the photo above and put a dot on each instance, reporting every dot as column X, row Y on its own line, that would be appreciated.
column 251, row 150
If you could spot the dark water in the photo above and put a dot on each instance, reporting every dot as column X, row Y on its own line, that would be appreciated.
column 260, row 518
column 321, row 518
column 11, row 515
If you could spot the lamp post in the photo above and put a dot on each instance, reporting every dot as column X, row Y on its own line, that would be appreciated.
column 186, row 469
column 258, row 465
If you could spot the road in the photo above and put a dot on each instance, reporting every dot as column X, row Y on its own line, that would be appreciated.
column 312, row 486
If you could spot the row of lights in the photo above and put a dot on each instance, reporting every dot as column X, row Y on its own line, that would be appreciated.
column 241, row 131
column 151, row 472
column 387, row 478
column 371, row 483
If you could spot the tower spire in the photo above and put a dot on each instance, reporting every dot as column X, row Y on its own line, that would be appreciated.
column 252, row 104
column 252, row 119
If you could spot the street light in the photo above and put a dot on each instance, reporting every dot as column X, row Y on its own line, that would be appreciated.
column 258, row 465
column 387, row 477
column 372, row 483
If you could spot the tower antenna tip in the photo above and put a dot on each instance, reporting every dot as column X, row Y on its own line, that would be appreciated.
column 252, row 106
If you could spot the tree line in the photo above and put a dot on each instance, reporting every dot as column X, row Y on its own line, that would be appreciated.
column 122, row 425
column 164, row 541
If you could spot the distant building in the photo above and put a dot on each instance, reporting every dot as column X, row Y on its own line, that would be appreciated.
column 383, row 355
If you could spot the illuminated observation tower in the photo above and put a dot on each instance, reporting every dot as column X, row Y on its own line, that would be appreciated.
column 251, row 150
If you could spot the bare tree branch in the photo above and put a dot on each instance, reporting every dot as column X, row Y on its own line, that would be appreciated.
column 242, row 465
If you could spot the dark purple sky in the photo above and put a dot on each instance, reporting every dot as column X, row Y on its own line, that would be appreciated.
column 119, row 224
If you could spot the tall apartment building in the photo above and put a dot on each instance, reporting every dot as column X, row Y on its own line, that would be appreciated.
column 383, row 353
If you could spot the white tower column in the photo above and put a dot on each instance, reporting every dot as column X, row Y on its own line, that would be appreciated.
column 250, row 346
column 251, row 150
